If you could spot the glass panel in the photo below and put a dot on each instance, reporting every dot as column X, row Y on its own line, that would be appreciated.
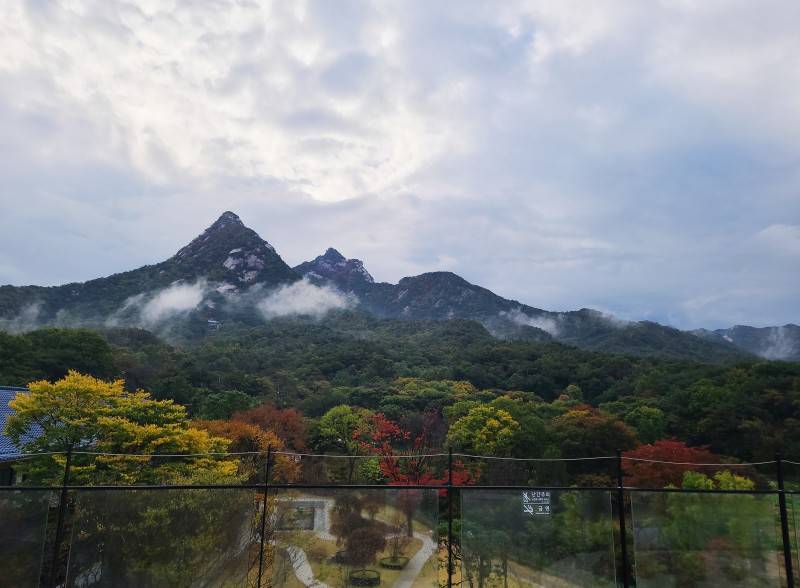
column 343, row 537
column 23, row 524
column 706, row 539
column 793, row 508
column 175, row 538
column 536, row 538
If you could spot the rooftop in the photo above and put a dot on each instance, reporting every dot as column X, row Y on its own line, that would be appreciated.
column 7, row 447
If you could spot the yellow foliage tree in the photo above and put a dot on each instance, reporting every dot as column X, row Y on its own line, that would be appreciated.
column 85, row 414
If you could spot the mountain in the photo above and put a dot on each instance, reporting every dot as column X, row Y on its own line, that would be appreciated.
column 230, row 253
column 348, row 275
column 229, row 273
column 768, row 342
column 226, row 257
column 445, row 296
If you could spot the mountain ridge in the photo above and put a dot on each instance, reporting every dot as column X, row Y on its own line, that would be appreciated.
column 229, row 268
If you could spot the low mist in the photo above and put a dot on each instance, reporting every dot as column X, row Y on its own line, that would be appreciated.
column 150, row 309
column 304, row 298
column 546, row 324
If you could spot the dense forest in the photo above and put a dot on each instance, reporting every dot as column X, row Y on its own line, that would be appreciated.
column 559, row 401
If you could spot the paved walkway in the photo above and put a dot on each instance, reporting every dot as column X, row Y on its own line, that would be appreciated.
column 302, row 569
column 415, row 564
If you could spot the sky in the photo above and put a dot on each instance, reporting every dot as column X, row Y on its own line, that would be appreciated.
column 638, row 157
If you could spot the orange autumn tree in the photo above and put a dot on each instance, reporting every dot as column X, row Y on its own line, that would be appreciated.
column 253, row 442
column 287, row 423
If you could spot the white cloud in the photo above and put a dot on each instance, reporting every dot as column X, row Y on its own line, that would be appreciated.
column 779, row 344
column 26, row 320
column 546, row 324
column 152, row 308
column 304, row 298
column 613, row 154
column 175, row 300
column 781, row 238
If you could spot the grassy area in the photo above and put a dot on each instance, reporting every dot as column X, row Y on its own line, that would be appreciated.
column 429, row 576
column 391, row 516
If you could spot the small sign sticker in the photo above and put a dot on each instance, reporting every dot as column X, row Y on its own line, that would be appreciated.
column 536, row 502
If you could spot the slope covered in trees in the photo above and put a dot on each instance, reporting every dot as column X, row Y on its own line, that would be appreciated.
column 559, row 398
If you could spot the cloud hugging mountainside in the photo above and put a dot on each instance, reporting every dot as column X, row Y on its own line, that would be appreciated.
column 229, row 273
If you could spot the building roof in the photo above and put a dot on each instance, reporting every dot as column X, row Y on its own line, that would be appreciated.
column 7, row 448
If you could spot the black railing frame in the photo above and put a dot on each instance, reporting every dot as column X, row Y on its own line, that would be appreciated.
column 264, row 514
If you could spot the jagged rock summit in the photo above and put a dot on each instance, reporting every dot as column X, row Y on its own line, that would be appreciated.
column 232, row 254
column 333, row 267
column 226, row 257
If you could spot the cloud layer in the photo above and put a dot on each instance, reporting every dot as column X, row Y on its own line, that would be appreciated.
column 303, row 299
column 641, row 158
column 151, row 309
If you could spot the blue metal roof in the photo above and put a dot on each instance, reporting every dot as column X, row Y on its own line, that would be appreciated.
column 7, row 447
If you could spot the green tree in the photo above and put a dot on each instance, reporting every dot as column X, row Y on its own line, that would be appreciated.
column 221, row 405
column 650, row 423
column 337, row 431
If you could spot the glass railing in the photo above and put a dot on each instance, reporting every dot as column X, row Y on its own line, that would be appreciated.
column 537, row 538
column 23, row 528
column 343, row 537
column 706, row 539
column 138, row 538
column 337, row 525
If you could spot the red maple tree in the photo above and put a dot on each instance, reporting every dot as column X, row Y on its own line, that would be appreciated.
column 409, row 466
column 651, row 474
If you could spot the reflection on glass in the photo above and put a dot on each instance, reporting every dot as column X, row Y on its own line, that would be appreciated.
column 704, row 540
column 793, row 511
column 170, row 538
column 384, row 537
column 23, row 524
column 536, row 538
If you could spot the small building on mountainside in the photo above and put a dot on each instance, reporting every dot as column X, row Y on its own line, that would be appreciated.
column 9, row 452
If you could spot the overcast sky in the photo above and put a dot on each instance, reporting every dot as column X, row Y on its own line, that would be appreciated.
column 638, row 157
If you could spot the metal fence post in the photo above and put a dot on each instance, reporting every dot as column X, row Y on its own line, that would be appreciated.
column 264, row 515
column 787, row 545
column 62, row 508
column 623, row 538
column 450, row 518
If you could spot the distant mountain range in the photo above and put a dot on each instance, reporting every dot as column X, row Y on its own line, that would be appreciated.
column 230, row 273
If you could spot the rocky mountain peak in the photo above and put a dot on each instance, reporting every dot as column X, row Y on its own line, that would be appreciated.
column 226, row 218
column 332, row 255
column 230, row 252
column 332, row 266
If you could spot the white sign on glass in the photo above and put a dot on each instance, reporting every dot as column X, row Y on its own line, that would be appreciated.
column 536, row 502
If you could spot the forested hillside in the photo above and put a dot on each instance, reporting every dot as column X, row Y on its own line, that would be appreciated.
column 556, row 400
